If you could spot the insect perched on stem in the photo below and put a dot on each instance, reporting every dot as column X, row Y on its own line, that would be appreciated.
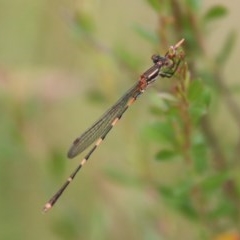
column 162, row 66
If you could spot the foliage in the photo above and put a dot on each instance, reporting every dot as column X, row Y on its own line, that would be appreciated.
column 181, row 178
column 188, row 126
column 184, row 127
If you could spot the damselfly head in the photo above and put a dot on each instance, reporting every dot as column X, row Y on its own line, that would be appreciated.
column 157, row 58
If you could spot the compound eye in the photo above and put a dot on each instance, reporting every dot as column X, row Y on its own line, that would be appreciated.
column 155, row 58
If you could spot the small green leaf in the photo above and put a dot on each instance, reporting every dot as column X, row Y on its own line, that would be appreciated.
column 194, row 4
column 127, row 57
column 200, row 157
column 96, row 96
column 165, row 155
column 167, row 192
column 206, row 96
column 196, row 113
column 146, row 34
column 83, row 23
column 224, row 208
column 215, row 12
column 179, row 198
column 160, row 131
column 199, row 98
column 66, row 227
column 155, row 4
column 188, row 209
column 227, row 48
column 58, row 162
column 214, row 182
column 195, row 90
column 121, row 178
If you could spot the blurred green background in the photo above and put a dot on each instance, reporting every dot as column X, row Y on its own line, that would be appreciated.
column 62, row 64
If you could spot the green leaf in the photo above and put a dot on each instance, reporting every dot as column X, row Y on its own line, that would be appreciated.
column 83, row 23
column 179, row 198
column 195, row 90
column 96, row 96
column 146, row 34
column 206, row 96
column 194, row 4
column 121, row 177
column 214, row 182
column 160, row 131
column 66, row 226
column 223, row 209
column 214, row 13
column 182, row 189
column 200, row 157
column 165, row 155
column 187, row 208
column 196, row 113
column 58, row 162
column 127, row 57
column 155, row 4
column 161, row 103
column 226, row 48
column 199, row 98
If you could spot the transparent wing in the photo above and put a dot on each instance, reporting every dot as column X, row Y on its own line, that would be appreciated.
column 102, row 125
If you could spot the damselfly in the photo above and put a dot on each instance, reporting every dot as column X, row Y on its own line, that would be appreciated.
column 162, row 66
